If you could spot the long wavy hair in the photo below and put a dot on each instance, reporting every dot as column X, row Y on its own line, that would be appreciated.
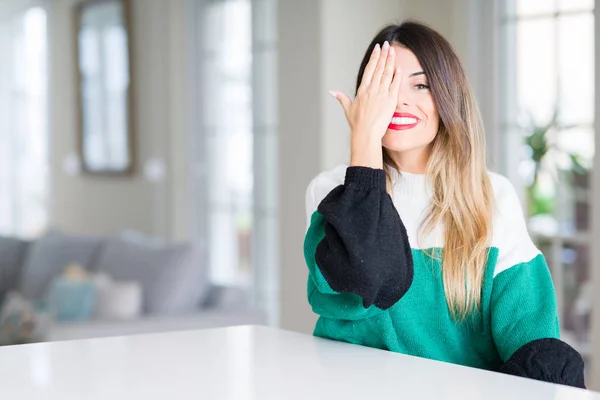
column 462, row 195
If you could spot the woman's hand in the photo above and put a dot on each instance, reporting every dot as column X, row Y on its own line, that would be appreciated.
column 371, row 111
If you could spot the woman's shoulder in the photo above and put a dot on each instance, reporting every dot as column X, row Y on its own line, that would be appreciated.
column 509, row 213
column 320, row 186
column 510, row 233
column 505, row 193
column 335, row 174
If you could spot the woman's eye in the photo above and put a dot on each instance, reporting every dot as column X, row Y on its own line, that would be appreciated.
column 421, row 86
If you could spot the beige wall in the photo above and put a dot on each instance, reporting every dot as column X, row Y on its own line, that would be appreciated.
column 98, row 205
column 347, row 27
column 300, row 146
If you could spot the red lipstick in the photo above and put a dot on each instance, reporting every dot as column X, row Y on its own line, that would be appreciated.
column 402, row 121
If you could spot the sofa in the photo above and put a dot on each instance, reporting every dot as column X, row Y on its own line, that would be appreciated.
column 156, row 286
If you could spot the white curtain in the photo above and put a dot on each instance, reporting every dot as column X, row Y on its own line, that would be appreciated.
column 23, row 118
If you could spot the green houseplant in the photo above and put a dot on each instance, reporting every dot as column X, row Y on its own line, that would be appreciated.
column 544, row 151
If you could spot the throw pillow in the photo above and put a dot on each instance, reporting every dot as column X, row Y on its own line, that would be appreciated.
column 172, row 276
column 72, row 296
column 50, row 255
column 118, row 300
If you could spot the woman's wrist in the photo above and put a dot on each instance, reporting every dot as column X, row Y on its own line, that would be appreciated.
column 365, row 151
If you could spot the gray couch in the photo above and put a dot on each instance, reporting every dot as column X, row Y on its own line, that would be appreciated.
column 176, row 293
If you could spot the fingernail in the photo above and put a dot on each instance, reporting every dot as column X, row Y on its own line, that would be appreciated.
column 377, row 47
column 332, row 93
column 386, row 45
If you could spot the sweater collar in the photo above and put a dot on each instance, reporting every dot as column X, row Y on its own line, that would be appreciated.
column 410, row 185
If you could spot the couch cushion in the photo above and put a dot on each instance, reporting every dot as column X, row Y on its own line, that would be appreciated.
column 172, row 276
column 49, row 256
column 12, row 256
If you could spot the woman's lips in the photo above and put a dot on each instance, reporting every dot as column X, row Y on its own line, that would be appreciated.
column 402, row 121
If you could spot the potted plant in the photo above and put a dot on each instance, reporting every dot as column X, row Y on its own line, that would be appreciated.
column 544, row 152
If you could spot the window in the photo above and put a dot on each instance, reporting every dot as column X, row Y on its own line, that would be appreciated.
column 225, row 141
column 234, row 143
column 23, row 121
column 548, row 129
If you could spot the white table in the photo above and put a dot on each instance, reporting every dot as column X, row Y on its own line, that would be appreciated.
column 246, row 363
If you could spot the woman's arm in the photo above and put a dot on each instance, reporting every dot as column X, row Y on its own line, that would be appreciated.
column 524, row 315
column 356, row 248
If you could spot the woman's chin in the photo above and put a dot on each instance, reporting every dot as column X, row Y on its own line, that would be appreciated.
column 394, row 142
column 404, row 141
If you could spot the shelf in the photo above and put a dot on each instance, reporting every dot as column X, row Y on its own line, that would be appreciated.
column 575, row 238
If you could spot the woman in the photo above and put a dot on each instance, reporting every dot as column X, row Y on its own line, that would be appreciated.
column 415, row 247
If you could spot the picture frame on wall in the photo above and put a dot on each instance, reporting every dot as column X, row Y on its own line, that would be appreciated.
column 104, row 87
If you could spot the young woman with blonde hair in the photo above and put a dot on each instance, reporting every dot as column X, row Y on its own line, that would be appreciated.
column 415, row 247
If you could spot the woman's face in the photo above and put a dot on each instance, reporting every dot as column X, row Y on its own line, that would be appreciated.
column 415, row 123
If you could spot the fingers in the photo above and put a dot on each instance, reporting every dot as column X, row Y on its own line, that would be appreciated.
column 377, row 75
column 396, row 81
column 344, row 100
column 388, row 72
column 370, row 68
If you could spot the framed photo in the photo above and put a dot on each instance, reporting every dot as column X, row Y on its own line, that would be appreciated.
column 104, row 86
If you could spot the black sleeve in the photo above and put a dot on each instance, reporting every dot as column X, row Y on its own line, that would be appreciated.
column 365, row 249
column 549, row 360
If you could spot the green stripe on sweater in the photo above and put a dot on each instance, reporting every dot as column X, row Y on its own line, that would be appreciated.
column 524, row 306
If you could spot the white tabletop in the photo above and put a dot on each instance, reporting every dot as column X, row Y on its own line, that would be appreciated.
column 246, row 363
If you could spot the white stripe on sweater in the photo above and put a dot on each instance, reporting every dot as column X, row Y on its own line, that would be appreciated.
column 411, row 195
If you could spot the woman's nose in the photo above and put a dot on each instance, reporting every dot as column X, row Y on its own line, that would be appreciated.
column 403, row 97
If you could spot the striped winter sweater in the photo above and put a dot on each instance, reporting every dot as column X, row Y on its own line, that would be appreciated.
column 373, row 283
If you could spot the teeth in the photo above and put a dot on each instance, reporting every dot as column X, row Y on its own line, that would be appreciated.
column 404, row 121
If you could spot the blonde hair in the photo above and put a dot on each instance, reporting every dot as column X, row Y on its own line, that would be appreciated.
column 462, row 194
column 462, row 202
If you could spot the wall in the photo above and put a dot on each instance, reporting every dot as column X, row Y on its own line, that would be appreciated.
column 99, row 205
column 347, row 27
column 300, row 146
